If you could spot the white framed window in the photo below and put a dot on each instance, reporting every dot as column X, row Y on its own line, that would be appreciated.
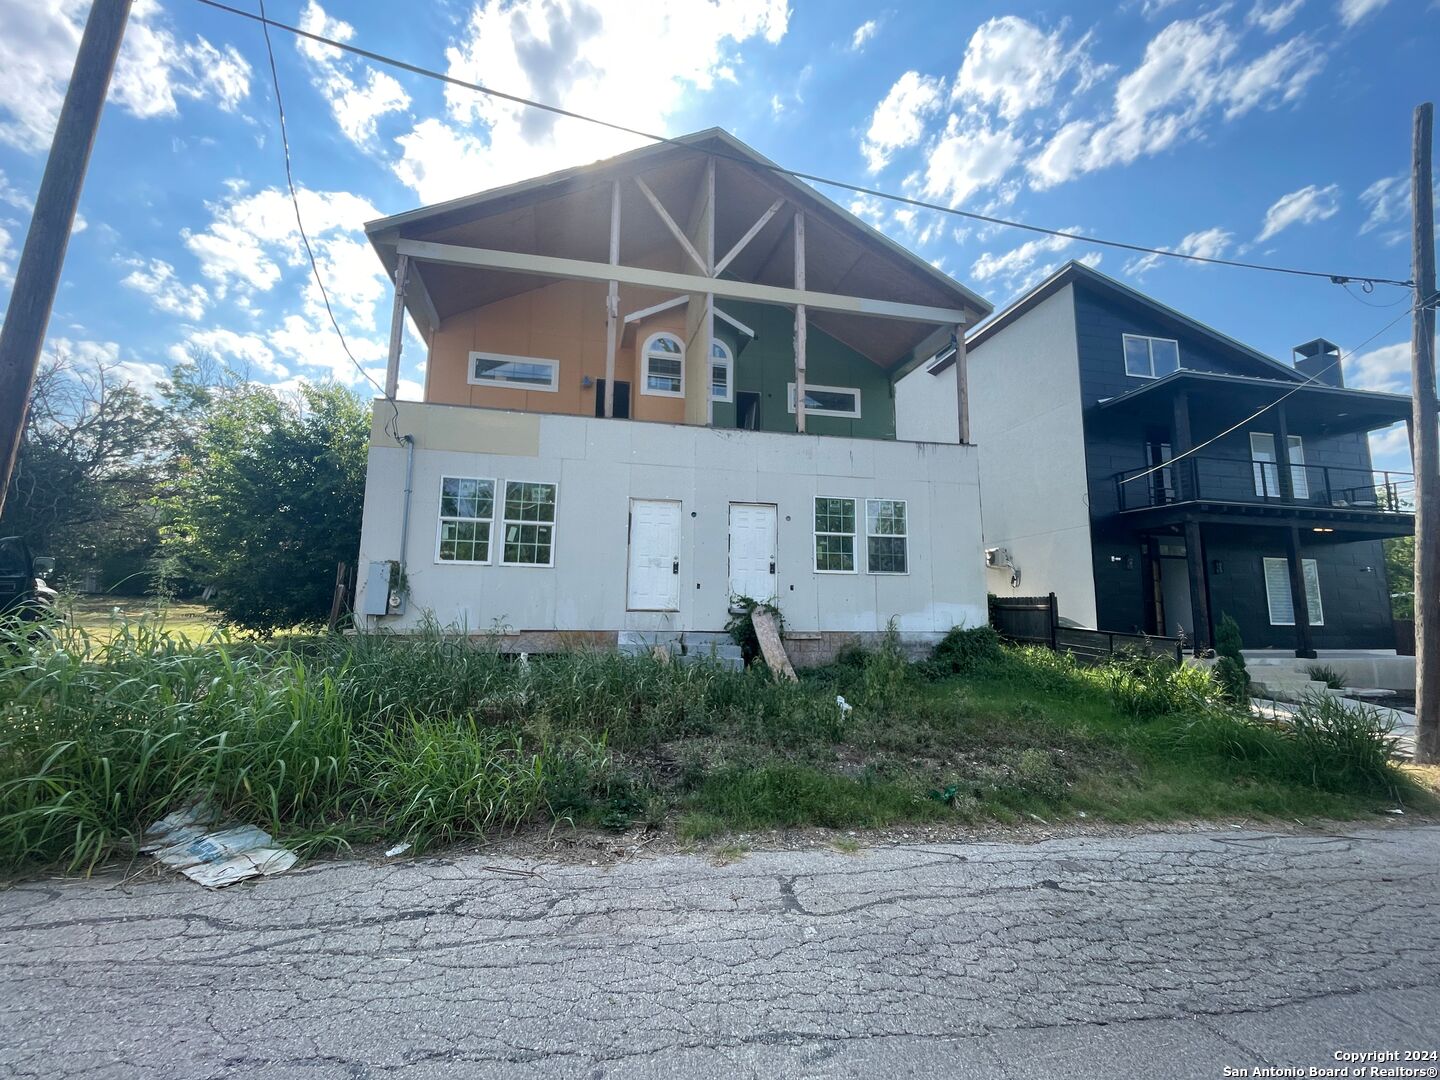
column 722, row 372
column 887, row 537
column 467, row 515
column 1151, row 357
column 834, row 536
column 514, row 372
column 662, row 370
column 827, row 400
column 1277, row 592
column 528, row 526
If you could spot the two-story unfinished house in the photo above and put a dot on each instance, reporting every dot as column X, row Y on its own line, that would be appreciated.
column 658, row 384
column 1156, row 474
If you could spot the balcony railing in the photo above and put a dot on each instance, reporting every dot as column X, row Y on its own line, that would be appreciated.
column 1238, row 480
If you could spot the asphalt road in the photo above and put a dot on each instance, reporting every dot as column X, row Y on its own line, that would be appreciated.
column 1170, row 955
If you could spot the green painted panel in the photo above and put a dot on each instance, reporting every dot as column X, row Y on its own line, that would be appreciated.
column 766, row 365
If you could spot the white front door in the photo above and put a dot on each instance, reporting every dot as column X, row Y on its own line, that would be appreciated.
column 753, row 550
column 654, row 578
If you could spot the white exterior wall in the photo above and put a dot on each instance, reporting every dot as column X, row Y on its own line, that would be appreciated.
column 600, row 465
column 1025, row 419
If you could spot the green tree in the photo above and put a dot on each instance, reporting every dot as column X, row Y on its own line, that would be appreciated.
column 1400, row 573
column 92, row 456
column 268, row 500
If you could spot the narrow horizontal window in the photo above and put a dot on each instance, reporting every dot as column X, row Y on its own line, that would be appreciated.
column 834, row 536
column 467, row 513
column 828, row 400
column 529, row 524
column 887, row 537
column 514, row 372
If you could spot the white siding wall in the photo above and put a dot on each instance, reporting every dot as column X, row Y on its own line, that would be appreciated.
column 600, row 465
column 1025, row 419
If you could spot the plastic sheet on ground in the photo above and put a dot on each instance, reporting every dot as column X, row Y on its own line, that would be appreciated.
column 212, row 852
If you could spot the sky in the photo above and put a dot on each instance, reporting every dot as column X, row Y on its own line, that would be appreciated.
column 1274, row 131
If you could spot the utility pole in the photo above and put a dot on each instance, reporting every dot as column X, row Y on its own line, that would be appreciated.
column 38, row 275
column 1427, row 454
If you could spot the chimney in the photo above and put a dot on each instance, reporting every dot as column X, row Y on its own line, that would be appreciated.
column 1320, row 360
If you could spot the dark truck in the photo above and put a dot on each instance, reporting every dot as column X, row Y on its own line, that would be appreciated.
column 23, row 592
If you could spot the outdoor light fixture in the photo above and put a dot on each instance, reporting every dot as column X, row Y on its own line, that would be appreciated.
column 1317, row 529
column 1217, row 566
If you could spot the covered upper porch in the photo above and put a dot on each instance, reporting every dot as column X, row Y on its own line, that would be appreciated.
column 666, row 238
column 1221, row 447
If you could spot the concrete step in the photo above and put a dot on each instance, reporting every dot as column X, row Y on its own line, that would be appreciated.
column 683, row 646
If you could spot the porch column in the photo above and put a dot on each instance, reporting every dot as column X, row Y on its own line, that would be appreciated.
column 397, row 328
column 1299, row 596
column 1199, row 594
column 800, row 324
column 612, row 302
column 700, row 311
column 1181, row 442
column 962, row 383
column 1282, row 455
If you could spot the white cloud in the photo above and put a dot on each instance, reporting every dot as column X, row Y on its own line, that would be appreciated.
column 1352, row 11
column 1014, row 66
column 1207, row 244
column 1390, row 448
column 357, row 103
column 13, row 196
column 1189, row 71
column 1024, row 267
column 863, row 33
column 1310, row 204
column 1385, row 368
column 37, row 53
column 252, row 245
column 965, row 160
column 1387, row 201
column 241, row 351
column 7, row 251
column 1274, row 17
column 899, row 119
column 157, row 280
column 573, row 54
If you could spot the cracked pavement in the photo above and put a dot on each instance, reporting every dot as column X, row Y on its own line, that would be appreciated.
column 1171, row 954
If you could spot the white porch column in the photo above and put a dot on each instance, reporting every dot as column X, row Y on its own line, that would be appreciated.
column 397, row 328
column 962, row 383
column 800, row 324
column 700, row 311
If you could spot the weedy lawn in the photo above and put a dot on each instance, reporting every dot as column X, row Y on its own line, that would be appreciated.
column 435, row 739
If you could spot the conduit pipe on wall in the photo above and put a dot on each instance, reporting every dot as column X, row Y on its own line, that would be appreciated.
column 409, row 441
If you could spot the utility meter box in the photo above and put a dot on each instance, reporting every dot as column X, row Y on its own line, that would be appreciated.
column 380, row 597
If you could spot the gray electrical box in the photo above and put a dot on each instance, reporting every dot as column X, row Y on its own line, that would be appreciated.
column 378, row 598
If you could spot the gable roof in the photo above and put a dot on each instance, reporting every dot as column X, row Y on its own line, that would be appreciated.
column 1074, row 272
column 714, row 141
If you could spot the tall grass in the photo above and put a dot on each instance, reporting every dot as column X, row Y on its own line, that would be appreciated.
column 432, row 738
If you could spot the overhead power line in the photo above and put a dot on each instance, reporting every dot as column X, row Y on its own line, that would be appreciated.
column 265, row 25
column 858, row 189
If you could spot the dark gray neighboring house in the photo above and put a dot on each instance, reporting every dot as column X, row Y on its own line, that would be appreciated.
column 1086, row 395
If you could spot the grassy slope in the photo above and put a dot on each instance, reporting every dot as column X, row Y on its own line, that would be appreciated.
column 327, row 742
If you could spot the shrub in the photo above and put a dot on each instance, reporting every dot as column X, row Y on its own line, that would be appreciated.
column 1144, row 687
column 741, row 625
column 964, row 651
column 1343, row 748
column 1230, row 667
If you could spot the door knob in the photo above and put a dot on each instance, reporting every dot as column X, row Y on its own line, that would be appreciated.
column 772, row 566
column 675, row 567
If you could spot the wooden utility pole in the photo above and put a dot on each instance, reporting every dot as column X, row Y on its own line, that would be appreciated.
column 38, row 275
column 1427, row 455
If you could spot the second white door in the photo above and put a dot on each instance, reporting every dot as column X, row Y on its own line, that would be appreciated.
column 753, row 551
column 654, row 574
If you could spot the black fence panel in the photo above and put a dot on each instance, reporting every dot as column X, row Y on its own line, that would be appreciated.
column 1035, row 620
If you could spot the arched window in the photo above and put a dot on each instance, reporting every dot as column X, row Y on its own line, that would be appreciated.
column 663, row 366
column 722, row 372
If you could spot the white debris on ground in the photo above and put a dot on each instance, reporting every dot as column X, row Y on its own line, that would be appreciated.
column 398, row 849
column 214, row 853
